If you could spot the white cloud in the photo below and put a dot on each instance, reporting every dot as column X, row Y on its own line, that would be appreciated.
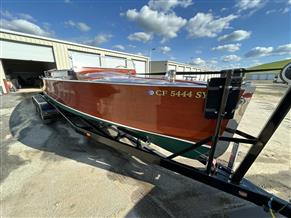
column 283, row 49
column 205, row 64
column 165, row 49
column 163, row 24
column 119, row 47
column 101, row 38
column 285, row 10
column 282, row 10
column 67, row 1
column 140, row 36
column 98, row 39
column 7, row 14
column 230, row 58
column 70, row 23
column 22, row 23
column 270, row 11
column 213, row 62
column 139, row 53
column 259, row 52
column 211, row 65
column 26, row 16
column 131, row 46
column 256, row 62
column 198, row 61
column 235, row 36
column 166, row 5
column 206, row 25
column 83, row 27
column 243, row 5
column 24, row 26
column 227, row 47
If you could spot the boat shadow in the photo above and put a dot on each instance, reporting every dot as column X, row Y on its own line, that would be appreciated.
column 172, row 195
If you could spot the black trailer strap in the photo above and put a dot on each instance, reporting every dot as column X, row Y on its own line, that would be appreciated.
column 237, row 140
column 241, row 133
column 193, row 147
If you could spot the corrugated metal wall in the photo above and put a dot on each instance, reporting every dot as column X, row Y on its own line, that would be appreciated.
column 162, row 66
column 260, row 76
column 158, row 66
column 61, row 49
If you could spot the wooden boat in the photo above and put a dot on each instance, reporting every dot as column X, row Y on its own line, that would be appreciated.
column 169, row 113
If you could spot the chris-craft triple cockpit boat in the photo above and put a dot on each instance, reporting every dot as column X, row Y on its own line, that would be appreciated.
column 169, row 112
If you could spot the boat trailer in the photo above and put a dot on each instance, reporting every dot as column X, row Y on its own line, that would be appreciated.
column 216, row 175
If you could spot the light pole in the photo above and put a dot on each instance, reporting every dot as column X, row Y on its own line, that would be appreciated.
column 191, row 59
column 152, row 49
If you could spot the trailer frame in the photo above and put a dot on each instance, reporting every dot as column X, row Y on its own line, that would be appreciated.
column 215, row 174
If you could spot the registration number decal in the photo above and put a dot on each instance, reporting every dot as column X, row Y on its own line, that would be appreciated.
column 179, row 94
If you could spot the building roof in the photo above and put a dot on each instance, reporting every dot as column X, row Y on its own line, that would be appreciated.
column 67, row 42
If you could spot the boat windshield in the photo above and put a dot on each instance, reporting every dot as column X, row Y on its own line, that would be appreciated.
column 113, row 77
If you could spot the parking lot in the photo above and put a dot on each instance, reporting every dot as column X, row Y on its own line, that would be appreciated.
column 50, row 170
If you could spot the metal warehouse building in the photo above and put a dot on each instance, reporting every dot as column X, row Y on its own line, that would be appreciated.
column 164, row 66
column 261, row 75
column 24, row 57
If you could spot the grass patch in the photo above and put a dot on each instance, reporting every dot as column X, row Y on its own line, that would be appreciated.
column 276, row 64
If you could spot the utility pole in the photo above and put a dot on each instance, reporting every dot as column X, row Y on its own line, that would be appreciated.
column 152, row 49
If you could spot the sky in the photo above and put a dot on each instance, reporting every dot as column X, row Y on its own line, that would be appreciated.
column 213, row 34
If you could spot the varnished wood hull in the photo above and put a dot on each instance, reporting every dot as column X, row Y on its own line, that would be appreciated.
column 159, row 112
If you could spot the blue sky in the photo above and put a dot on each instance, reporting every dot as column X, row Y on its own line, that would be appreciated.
column 206, row 33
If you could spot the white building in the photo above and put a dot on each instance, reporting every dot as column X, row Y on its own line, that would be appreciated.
column 24, row 57
column 164, row 66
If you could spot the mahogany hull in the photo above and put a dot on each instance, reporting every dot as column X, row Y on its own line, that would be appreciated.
column 171, row 117
column 149, row 108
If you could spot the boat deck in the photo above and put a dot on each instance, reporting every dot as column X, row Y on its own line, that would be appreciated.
column 148, row 81
column 120, row 78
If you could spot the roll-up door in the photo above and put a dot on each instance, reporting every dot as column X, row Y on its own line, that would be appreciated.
column 180, row 69
column 171, row 67
column 113, row 62
column 82, row 59
column 140, row 66
column 271, row 76
column 263, row 76
column 26, row 52
column 254, row 76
